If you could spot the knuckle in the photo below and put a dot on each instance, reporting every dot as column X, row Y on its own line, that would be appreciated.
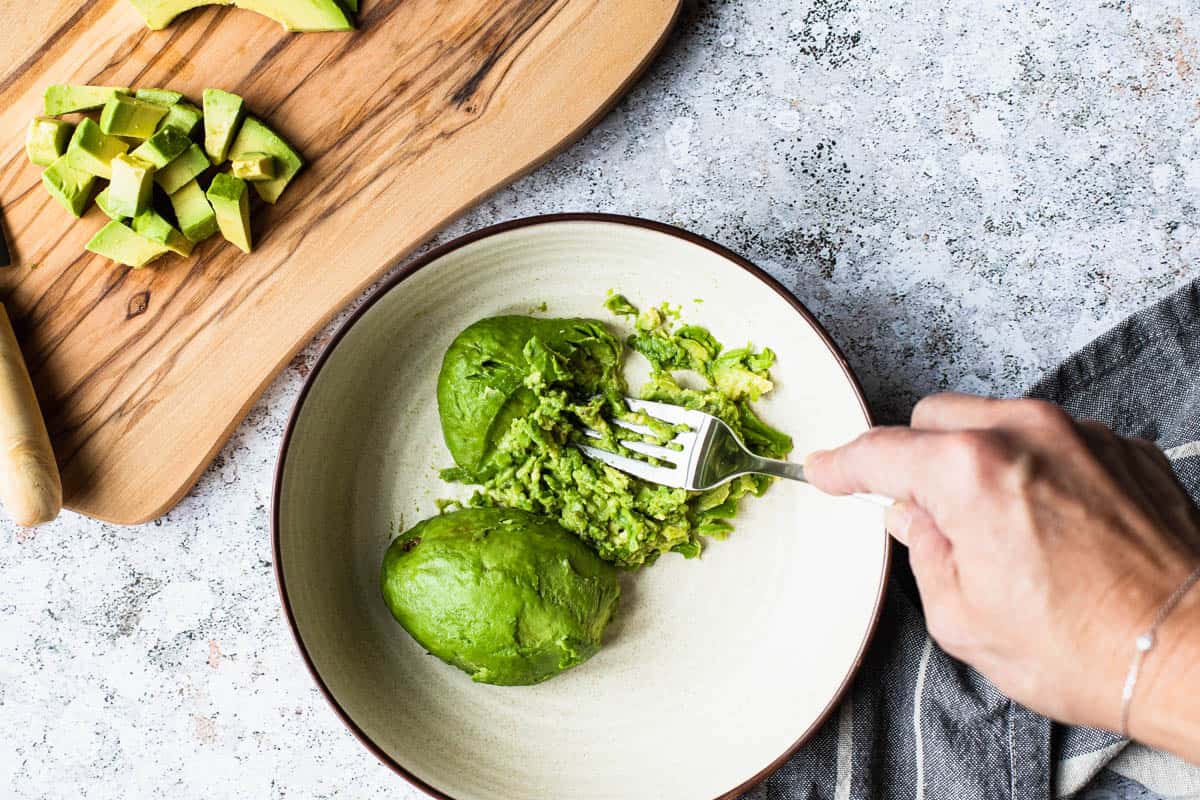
column 950, row 636
column 980, row 454
column 873, row 438
column 1042, row 414
column 925, row 408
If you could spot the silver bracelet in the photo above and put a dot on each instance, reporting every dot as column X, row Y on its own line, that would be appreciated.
column 1144, row 643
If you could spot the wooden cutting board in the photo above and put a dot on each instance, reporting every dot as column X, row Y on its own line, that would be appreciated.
column 427, row 108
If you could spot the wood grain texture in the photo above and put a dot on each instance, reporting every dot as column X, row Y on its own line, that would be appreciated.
column 428, row 107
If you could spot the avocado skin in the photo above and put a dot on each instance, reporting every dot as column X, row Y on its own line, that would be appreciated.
column 511, row 598
column 481, row 385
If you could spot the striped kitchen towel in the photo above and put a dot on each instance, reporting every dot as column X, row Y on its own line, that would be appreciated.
column 919, row 724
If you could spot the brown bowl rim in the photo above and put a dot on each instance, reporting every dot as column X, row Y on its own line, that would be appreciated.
column 469, row 238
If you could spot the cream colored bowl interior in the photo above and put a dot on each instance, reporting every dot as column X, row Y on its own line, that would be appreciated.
column 715, row 666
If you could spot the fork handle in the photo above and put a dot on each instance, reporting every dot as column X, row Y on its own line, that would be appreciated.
column 795, row 472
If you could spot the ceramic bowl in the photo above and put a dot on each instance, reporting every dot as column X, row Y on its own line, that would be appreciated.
column 715, row 670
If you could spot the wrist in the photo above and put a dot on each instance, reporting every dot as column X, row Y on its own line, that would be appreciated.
column 1164, row 711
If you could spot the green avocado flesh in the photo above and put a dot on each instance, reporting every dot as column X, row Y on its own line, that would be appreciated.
column 196, row 218
column 127, row 116
column 184, row 117
column 514, row 393
column 92, row 150
column 506, row 596
column 166, row 145
column 230, row 202
column 293, row 15
column 164, row 97
column 190, row 164
column 256, row 138
column 65, row 99
column 118, row 242
column 68, row 185
column 223, row 112
column 46, row 140
column 153, row 137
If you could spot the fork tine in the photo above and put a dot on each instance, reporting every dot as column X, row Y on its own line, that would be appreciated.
column 676, row 415
column 667, row 476
column 645, row 448
column 654, row 451
column 633, row 426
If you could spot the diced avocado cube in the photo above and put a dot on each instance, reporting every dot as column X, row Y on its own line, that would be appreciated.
column 154, row 227
column 191, row 164
column 163, row 147
column 63, row 98
column 255, row 137
column 132, row 182
column 69, row 185
column 163, row 97
column 122, row 244
column 253, row 167
column 103, row 204
column 92, row 150
column 230, row 200
column 47, row 140
column 127, row 116
column 182, row 116
column 223, row 113
column 195, row 215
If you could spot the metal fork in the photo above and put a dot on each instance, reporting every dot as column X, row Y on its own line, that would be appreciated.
column 702, row 457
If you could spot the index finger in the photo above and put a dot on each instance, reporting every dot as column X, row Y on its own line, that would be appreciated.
column 892, row 461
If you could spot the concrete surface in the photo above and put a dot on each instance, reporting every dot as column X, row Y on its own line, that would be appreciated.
column 963, row 192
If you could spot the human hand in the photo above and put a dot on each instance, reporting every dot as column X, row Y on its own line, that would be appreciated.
column 1042, row 548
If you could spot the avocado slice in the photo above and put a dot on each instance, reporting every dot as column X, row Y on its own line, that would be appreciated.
column 163, row 147
column 69, row 185
column 507, row 596
column 132, row 182
column 182, row 116
column 293, row 15
column 190, row 164
column 155, row 227
column 195, row 215
column 253, row 167
column 47, row 140
column 163, row 97
column 255, row 137
column 223, row 113
column 122, row 244
column 127, row 116
column 230, row 200
column 92, row 150
column 103, row 204
column 65, row 98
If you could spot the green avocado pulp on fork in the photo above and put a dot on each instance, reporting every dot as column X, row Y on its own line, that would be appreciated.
column 514, row 393
column 506, row 596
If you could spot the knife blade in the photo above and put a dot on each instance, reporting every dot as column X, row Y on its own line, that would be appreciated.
column 5, row 253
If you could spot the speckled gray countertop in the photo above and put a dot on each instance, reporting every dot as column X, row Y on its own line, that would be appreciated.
column 963, row 192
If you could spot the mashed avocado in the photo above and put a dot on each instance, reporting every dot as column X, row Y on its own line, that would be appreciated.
column 514, row 392
column 506, row 596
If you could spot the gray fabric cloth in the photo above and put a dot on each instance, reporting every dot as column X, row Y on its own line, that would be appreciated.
column 919, row 724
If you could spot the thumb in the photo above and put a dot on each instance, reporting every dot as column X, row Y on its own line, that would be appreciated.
column 892, row 461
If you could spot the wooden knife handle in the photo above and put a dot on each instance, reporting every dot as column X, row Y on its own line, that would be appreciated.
column 30, row 487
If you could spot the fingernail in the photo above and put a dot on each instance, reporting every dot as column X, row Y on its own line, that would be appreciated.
column 898, row 521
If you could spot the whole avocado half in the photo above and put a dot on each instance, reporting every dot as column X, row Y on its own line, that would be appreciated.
column 509, row 597
column 482, row 384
